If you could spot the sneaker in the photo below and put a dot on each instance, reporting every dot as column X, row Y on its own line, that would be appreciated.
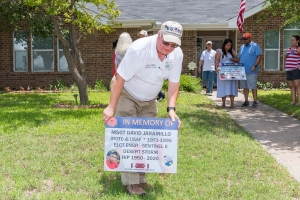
column 135, row 190
column 245, row 104
column 255, row 104
column 210, row 94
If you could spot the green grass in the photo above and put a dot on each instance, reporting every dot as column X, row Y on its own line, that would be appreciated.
column 279, row 99
column 51, row 153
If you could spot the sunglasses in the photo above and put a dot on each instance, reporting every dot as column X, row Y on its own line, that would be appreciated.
column 245, row 38
column 169, row 44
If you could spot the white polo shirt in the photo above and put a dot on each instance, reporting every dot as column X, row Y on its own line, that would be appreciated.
column 144, row 73
column 209, row 60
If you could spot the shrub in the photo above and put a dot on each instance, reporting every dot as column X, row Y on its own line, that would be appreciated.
column 99, row 85
column 58, row 85
column 265, row 86
column 188, row 83
column 283, row 85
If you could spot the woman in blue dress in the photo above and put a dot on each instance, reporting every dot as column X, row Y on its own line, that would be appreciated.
column 226, row 87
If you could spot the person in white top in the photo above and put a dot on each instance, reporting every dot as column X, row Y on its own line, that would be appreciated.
column 207, row 59
column 147, row 63
column 160, row 95
column 143, row 33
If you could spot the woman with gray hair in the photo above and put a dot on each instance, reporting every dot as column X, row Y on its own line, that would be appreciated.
column 123, row 44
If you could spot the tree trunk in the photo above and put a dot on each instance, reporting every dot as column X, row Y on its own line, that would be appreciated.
column 74, row 59
column 83, row 94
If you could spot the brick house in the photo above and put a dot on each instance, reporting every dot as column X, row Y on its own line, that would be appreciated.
column 40, row 63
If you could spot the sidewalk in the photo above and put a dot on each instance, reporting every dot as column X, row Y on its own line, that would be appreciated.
column 277, row 132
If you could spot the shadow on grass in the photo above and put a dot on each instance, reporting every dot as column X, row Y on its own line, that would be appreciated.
column 209, row 119
column 281, row 102
column 36, row 110
column 112, row 185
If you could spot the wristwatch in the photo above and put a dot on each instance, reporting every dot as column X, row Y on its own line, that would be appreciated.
column 170, row 108
column 255, row 66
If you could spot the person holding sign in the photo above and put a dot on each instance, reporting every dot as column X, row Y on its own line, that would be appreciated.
column 208, row 61
column 147, row 63
column 226, row 87
column 292, row 68
column 250, row 55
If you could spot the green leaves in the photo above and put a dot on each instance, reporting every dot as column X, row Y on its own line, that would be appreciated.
column 288, row 9
column 42, row 14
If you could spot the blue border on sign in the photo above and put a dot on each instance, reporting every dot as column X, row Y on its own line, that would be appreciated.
column 145, row 123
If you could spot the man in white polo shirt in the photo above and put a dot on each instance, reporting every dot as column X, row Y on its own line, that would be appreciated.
column 147, row 63
column 143, row 33
column 208, row 61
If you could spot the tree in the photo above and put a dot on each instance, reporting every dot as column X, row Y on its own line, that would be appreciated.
column 289, row 10
column 69, row 20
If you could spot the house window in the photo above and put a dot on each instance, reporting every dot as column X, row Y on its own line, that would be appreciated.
column 272, row 50
column 289, row 31
column 20, row 51
column 61, row 59
column 42, row 54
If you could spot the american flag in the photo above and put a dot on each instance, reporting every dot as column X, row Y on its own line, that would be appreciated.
column 240, row 17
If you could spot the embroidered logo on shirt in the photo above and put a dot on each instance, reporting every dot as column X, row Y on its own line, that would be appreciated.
column 168, row 66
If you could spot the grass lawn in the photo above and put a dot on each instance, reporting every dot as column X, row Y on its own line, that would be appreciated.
column 51, row 153
column 279, row 99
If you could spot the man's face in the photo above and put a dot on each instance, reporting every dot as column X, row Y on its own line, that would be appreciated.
column 113, row 158
column 164, row 47
column 209, row 46
column 247, row 41
column 142, row 35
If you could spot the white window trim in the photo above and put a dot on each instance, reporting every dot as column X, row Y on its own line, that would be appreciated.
column 58, row 65
column 14, row 55
column 278, row 56
column 283, row 49
column 32, row 68
column 297, row 29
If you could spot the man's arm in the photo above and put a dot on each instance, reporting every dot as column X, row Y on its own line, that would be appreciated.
column 173, row 89
column 217, row 60
column 256, row 63
column 200, row 64
column 116, row 89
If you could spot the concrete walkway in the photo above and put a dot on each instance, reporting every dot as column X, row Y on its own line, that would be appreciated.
column 277, row 132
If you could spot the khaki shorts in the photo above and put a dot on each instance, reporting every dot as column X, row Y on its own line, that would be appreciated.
column 250, row 83
column 130, row 107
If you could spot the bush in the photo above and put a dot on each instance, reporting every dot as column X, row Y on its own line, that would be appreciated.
column 188, row 83
column 59, row 84
column 99, row 85
column 283, row 85
column 265, row 86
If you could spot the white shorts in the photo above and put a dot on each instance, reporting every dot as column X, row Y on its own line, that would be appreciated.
column 250, row 83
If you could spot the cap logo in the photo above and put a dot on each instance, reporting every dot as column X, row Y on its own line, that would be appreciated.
column 175, row 30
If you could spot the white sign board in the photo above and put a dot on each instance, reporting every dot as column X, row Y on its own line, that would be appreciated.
column 141, row 145
column 232, row 71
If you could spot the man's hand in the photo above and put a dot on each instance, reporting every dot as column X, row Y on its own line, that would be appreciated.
column 107, row 114
column 173, row 116
column 253, row 68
